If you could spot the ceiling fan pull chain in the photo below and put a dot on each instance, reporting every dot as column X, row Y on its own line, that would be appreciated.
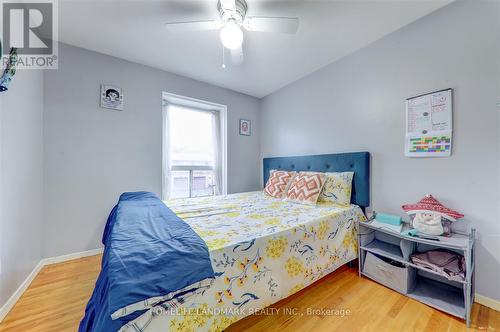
column 223, row 57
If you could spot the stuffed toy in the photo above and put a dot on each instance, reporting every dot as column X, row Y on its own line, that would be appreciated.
column 431, row 217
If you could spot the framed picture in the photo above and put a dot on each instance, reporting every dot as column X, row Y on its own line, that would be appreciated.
column 245, row 127
column 111, row 97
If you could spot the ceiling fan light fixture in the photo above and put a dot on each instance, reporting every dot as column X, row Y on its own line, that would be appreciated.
column 231, row 35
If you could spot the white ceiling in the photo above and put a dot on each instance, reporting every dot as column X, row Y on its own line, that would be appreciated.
column 329, row 30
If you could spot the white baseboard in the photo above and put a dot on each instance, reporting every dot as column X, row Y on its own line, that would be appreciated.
column 64, row 258
column 487, row 301
column 4, row 310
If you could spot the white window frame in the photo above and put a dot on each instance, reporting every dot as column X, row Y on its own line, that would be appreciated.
column 203, row 105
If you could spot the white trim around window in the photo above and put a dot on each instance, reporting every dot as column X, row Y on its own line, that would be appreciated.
column 201, row 105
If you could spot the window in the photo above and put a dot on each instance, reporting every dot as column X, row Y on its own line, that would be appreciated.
column 194, row 148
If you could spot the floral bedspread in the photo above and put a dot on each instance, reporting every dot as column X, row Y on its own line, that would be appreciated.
column 262, row 250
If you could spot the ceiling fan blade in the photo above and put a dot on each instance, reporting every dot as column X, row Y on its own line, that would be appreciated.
column 192, row 26
column 228, row 4
column 272, row 24
column 237, row 56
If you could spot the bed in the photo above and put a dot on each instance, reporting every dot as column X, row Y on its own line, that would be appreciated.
column 263, row 249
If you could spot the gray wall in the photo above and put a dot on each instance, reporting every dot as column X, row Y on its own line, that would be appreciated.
column 21, row 179
column 357, row 104
column 92, row 155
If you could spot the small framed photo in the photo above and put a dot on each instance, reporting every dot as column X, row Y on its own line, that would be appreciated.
column 245, row 127
column 111, row 97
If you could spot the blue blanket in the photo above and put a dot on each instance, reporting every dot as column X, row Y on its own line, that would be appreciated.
column 149, row 254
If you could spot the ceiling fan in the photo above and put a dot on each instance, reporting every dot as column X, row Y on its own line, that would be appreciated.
column 232, row 19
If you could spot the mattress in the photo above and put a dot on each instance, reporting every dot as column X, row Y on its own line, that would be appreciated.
column 262, row 250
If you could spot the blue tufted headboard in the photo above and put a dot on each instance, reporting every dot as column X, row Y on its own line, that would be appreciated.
column 358, row 162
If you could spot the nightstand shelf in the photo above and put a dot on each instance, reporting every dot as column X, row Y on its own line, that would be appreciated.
column 384, row 256
column 440, row 296
column 385, row 249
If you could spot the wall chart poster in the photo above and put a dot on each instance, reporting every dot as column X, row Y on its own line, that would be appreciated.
column 429, row 125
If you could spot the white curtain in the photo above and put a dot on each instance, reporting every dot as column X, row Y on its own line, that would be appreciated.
column 216, row 143
column 166, row 162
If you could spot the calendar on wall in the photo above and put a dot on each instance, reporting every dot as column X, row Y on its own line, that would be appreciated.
column 429, row 125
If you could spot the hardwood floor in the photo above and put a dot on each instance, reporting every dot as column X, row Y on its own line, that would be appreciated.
column 56, row 300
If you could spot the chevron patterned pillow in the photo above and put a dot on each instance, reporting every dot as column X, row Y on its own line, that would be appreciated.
column 306, row 187
column 278, row 183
